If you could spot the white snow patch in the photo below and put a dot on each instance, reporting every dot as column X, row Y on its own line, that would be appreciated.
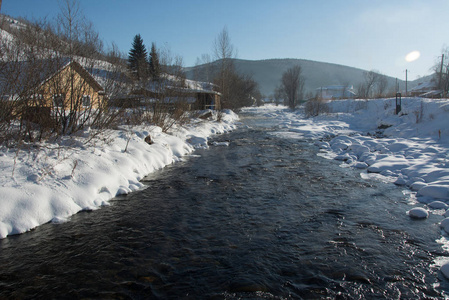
column 56, row 181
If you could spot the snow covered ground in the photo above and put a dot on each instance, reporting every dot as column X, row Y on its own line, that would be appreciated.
column 55, row 181
column 410, row 149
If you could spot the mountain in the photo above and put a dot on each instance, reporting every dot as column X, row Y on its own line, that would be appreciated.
column 267, row 73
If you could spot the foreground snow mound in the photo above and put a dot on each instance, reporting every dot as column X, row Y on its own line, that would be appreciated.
column 58, row 180
column 435, row 191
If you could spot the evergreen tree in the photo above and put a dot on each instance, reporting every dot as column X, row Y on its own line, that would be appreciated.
column 155, row 68
column 137, row 59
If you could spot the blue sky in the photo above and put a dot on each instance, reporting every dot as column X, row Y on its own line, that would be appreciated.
column 375, row 34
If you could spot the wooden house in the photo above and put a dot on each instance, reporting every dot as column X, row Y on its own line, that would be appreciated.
column 198, row 99
column 42, row 89
column 190, row 98
column 71, row 87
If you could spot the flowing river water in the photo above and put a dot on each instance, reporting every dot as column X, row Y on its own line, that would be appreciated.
column 264, row 218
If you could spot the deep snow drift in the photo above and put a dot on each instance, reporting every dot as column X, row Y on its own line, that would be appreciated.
column 53, row 182
column 410, row 149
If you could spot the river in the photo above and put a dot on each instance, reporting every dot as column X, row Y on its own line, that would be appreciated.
column 264, row 218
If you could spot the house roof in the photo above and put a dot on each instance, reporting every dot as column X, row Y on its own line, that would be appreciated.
column 82, row 71
column 27, row 75
column 194, row 91
column 336, row 87
column 432, row 93
column 424, row 87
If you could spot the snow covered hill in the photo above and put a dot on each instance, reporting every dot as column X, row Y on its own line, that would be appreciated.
column 267, row 73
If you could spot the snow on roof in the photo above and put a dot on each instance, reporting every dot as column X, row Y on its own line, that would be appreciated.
column 431, row 94
column 199, row 85
column 336, row 87
column 31, row 75
column 5, row 36
column 424, row 86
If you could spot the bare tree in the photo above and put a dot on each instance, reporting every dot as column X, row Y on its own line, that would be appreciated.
column 223, row 48
column 375, row 85
column 381, row 86
column 69, row 23
column 278, row 95
column 441, row 72
column 224, row 52
column 203, row 70
column 293, row 85
column 344, row 89
column 172, row 105
column 371, row 78
column 361, row 90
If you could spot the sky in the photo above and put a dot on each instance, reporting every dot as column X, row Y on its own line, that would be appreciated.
column 370, row 35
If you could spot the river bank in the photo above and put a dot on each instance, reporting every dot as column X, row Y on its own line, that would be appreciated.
column 51, row 182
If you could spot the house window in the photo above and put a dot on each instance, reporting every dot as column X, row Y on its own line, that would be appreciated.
column 86, row 100
column 58, row 100
column 37, row 99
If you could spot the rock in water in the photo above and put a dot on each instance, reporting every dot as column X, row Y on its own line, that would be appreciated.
column 418, row 213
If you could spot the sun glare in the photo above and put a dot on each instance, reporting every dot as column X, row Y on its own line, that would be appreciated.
column 412, row 56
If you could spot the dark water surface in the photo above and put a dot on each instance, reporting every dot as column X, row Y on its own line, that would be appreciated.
column 263, row 218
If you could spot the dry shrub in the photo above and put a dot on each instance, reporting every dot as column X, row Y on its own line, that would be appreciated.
column 315, row 107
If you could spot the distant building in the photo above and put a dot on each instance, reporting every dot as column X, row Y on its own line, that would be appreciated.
column 427, row 89
column 336, row 92
column 193, row 94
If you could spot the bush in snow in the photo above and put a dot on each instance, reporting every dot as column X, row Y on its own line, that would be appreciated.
column 315, row 107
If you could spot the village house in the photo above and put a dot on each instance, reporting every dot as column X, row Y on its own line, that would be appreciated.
column 193, row 95
column 427, row 89
column 46, row 91
column 72, row 88
column 38, row 90
column 336, row 92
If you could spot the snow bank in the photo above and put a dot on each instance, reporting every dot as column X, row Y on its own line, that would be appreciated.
column 58, row 180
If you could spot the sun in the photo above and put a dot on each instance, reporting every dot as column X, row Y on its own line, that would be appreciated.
column 412, row 56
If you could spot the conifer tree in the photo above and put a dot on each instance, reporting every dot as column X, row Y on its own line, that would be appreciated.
column 155, row 68
column 137, row 59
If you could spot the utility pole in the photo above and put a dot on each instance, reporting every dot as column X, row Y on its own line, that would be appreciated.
column 406, row 82
column 441, row 70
